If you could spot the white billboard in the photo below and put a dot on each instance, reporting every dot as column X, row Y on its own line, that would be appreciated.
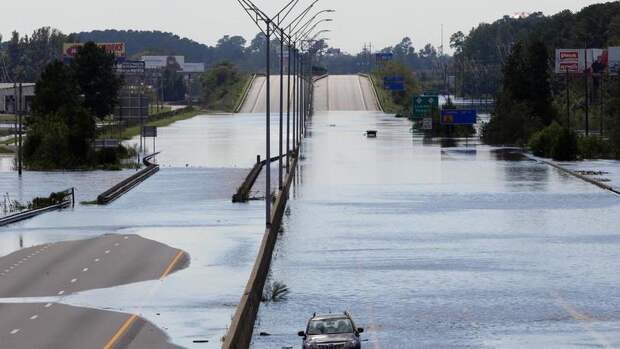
column 193, row 68
column 158, row 62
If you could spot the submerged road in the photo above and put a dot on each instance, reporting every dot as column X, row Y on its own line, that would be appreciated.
column 434, row 243
column 58, row 270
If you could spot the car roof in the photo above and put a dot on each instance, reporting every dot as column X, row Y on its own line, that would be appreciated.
column 329, row 316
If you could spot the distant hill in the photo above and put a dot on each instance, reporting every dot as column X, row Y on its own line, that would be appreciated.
column 151, row 42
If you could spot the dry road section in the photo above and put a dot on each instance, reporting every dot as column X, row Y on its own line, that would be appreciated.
column 63, row 268
column 333, row 93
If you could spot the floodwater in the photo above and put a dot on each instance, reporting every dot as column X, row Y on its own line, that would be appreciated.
column 443, row 244
column 187, row 205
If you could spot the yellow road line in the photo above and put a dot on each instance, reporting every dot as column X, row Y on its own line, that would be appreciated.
column 583, row 320
column 174, row 261
column 121, row 331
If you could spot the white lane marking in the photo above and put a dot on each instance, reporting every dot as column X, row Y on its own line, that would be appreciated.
column 6, row 270
column 34, row 317
column 107, row 251
column 117, row 244
column 48, row 305
column 15, row 331
column 126, row 237
column 97, row 260
column 61, row 293
column 84, row 270
column 73, row 281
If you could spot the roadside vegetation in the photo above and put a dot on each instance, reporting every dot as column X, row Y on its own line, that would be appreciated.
column 512, row 59
column 398, row 102
column 223, row 87
column 158, row 120
column 68, row 101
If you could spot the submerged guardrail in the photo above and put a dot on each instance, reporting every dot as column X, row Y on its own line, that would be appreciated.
column 243, row 193
column 17, row 217
column 239, row 335
column 126, row 185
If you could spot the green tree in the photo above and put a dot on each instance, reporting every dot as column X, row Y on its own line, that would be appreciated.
column 94, row 72
column 55, row 90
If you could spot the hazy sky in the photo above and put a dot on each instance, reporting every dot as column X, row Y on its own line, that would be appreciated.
column 381, row 22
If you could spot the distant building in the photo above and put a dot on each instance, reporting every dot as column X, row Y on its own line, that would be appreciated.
column 8, row 97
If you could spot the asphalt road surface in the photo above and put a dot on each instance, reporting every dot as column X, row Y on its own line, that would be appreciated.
column 344, row 93
column 333, row 93
column 60, row 269
column 255, row 102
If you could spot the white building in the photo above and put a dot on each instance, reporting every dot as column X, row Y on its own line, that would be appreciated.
column 7, row 97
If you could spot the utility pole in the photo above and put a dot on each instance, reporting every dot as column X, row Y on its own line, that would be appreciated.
column 288, row 110
column 281, row 107
column 602, row 116
column 568, row 99
column 268, row 129
column 20, row 131
column 585, row 80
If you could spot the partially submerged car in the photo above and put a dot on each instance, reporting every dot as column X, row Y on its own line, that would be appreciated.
column 332, row 331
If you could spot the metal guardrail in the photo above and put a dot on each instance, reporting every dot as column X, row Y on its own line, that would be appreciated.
column 245, row 94
column 126, row 185
column 18, row 217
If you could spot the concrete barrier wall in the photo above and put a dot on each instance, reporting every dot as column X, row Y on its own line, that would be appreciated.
column 239, row 335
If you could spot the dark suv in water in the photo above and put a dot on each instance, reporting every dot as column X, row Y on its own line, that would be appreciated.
column 333, row 331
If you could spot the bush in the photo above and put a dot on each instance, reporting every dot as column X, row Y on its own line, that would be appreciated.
column 542, row 142
column 554, row 141
column 565, row 147
column 591, row 147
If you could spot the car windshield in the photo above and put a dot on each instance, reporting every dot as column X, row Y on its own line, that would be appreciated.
column 330, row 326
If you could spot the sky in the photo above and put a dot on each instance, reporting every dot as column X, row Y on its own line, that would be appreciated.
column 356, row 22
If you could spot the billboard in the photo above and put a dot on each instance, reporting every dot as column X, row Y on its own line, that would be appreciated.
column 69, row 50
column 458, row 117
column 578, row 61
column 158, row 62
column 130, row 68
column 193, row 68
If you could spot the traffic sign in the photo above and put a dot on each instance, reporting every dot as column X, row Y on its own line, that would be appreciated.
column 423, row 105
column 427, row 124
column 149, row 131
column 458, row 117
column 384, row 57
column 394, row 83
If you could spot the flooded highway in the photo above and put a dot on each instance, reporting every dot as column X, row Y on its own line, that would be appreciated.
column 186, row 206
column 443, row 244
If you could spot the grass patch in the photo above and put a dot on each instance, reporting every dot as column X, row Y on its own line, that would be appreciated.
column 6, row 150
column 8, row 141
column 7, row 118
column 385, row 98
column 228, row 97
column 132, row 131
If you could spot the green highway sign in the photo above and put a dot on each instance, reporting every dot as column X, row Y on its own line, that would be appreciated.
column 423, row 105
